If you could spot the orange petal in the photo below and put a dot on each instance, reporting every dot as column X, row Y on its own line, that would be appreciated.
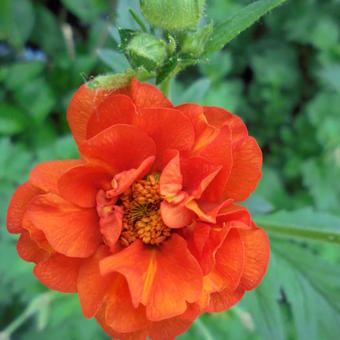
column 217, row 150
column 203, row 242
column 176, row 215
column 146, row 95
column 82, row 105
column 257, row 252
column 171, row 328
column 46, row 175
column 246, row 170
column 234, row 212
column 28, row 250
column 59, row 273
column 198, row 173
column 122, row 147
column 221, row 301
column 101, row 318
column 219, row 117
column 81, row 184
column 169, row 128
column 196, row 115
column 170, row 182
column 207, row 212
column 124, row 179
column 115, row 109
column 70, row 230
column 91, row 285
column 163, row 278
column 120, row 314
column 229, row 263
column 111, row 226
column 18, row 205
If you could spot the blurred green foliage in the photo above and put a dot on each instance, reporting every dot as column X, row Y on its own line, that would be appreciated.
column 282, row 76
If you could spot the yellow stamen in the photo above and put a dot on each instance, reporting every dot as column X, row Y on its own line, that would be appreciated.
column 141, row 217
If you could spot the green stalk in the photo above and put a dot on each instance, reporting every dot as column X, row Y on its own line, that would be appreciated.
column 293, row 231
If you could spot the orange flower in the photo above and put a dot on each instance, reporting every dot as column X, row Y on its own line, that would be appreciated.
column 144, row 227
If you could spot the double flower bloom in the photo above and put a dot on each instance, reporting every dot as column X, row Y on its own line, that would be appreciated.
column 144, row 227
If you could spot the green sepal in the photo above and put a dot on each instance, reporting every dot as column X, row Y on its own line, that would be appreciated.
column 147, row 51
column 194, row 42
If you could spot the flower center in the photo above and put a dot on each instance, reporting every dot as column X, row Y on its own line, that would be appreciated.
column 141, row 213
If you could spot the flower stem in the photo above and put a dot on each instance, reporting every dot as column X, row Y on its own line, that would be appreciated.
column 165, row 87
column 34, row 307
column 288, row 230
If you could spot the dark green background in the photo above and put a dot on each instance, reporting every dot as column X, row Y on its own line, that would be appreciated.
column 282, row 77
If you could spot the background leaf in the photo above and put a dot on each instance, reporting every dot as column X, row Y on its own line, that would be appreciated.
column 231, row 27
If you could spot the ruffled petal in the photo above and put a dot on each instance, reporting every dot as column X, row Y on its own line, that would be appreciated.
column 120, row 314
column 229, row 263
column 115, row 109
column 81, row 107
column 81, row 184
column 146, row 95
column 196, row 115
column 246, row 170
column 219, row 117
column 18, row 205
column 204, row 241
column 257, row 252
column 169, row 128
column 91, row 285
column 46, row 175
column 59, row 272
column 170, row 182
column 217, row 149
column 122, row 181
column 70, row 230
column 111, row 225
column 28, row 250
column 162, row 279
column 122, row 147
column 221, row 301
column 198, row 173
column 176, row 215
column 234, row 212
column 207, row 212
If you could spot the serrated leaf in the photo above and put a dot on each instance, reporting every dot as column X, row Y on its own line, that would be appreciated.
column 262, row 304
column 312, row 288
column 302, row 224
column 233, row 26
column 115, row 60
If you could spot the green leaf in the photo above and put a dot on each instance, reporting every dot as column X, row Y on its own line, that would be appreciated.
column 312, row 288
column 263, row 307
column 115, row 60
column 303, row 223
column 47, row 32
column 87, row 10
column 12, row 120
column 194, row 93
column 233, row 26
column 17, row 20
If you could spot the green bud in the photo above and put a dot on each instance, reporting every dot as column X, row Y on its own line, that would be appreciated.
column 194, row 42
column 146, row 50
column 172, row 15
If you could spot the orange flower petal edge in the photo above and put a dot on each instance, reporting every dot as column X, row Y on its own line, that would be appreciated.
column 146, row 226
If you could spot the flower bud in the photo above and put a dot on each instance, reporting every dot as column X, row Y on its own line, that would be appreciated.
column 172, row 15
column 194, row 42
column 146, row 50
